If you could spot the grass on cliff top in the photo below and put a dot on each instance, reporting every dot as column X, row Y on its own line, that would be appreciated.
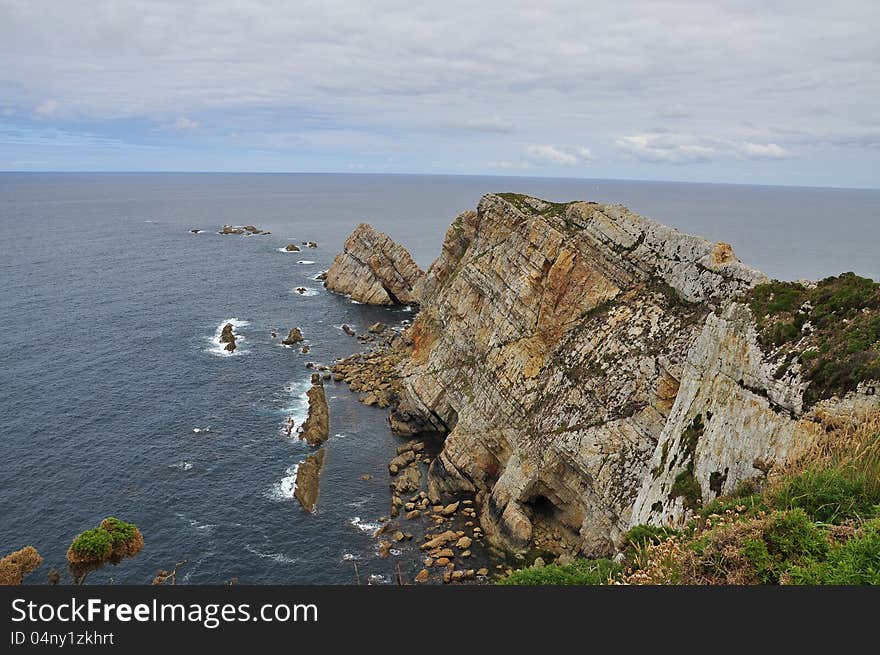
column 816, row 523
column 521, row 202
column 833, row 330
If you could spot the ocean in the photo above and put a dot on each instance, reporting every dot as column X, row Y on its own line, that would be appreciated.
column 116, row 400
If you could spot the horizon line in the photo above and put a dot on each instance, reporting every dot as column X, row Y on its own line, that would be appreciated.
column 388, row 174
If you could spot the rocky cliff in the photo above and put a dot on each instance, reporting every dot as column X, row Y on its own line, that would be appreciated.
column 374, row 270
column 592, row 369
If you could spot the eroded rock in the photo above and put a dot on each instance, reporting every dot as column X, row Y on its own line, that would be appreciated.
column 374, row 270
column 308, row 480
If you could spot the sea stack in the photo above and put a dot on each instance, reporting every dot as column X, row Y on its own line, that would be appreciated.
column 307, row 480
column 374, row 270
column 316, row 429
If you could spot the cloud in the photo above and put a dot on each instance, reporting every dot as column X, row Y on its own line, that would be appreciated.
column 423, row 85
column 490, row 124
column 675, row 148
column 667, row 148
column 46, row 109
column 763, row 151
column 559, row 156
column 184, row 123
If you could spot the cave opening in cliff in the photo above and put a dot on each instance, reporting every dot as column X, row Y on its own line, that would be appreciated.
column 543, row 509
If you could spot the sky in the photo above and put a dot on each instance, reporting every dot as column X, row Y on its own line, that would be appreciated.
column 769, row 92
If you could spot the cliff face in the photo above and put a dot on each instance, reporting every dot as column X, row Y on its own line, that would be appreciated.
column 592, row 369
column 374, row 270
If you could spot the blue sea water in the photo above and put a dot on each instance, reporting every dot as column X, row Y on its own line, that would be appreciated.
column 110, row 307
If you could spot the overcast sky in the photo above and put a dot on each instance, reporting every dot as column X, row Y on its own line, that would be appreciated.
column 770, row 92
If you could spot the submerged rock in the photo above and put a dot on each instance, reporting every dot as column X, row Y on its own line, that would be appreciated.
column 316, row 429
column 307, row 480
column 375, row 270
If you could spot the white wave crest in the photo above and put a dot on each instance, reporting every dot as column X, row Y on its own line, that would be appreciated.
column 196, row 525
column 304, row 291
column 183, row 466
column 365, row 526
column 280, row 558
column 284, row 488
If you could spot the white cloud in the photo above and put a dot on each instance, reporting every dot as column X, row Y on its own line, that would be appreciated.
column 426, row 85
column 674, row 148
column 666, row 147
column 490, row 124
column 763, row 151
column 560, row 156
column 46, row 109
column 184, row 123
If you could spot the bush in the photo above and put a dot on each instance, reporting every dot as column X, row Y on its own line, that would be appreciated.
column 790, row 539
column 855, row 562
column 579, row 572
column 643, row 535
column 95, row 543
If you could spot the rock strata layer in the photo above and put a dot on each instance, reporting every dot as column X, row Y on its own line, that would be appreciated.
column 374, row 270
column 591, row 369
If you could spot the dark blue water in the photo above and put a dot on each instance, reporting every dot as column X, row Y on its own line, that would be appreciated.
column 108, row 308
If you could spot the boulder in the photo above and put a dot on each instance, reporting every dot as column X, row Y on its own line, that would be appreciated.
column 291, row 247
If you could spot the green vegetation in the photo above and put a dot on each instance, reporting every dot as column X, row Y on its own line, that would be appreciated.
column 686, row 485
column 94, row 544
column 833, row 330
column 524, row 204
column 579, row 572
column 830, row 495
column 99, row 543
column 855, row 562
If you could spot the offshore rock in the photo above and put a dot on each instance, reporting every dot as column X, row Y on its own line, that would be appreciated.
column 227, row 336
column 294, row 336
column 316, row 428
column 307, row 480
column 374, row 270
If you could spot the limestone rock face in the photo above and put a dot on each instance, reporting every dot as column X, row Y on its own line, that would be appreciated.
column 566, row 350
column 307, row 480
column 374, row 270
column 316, row 428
